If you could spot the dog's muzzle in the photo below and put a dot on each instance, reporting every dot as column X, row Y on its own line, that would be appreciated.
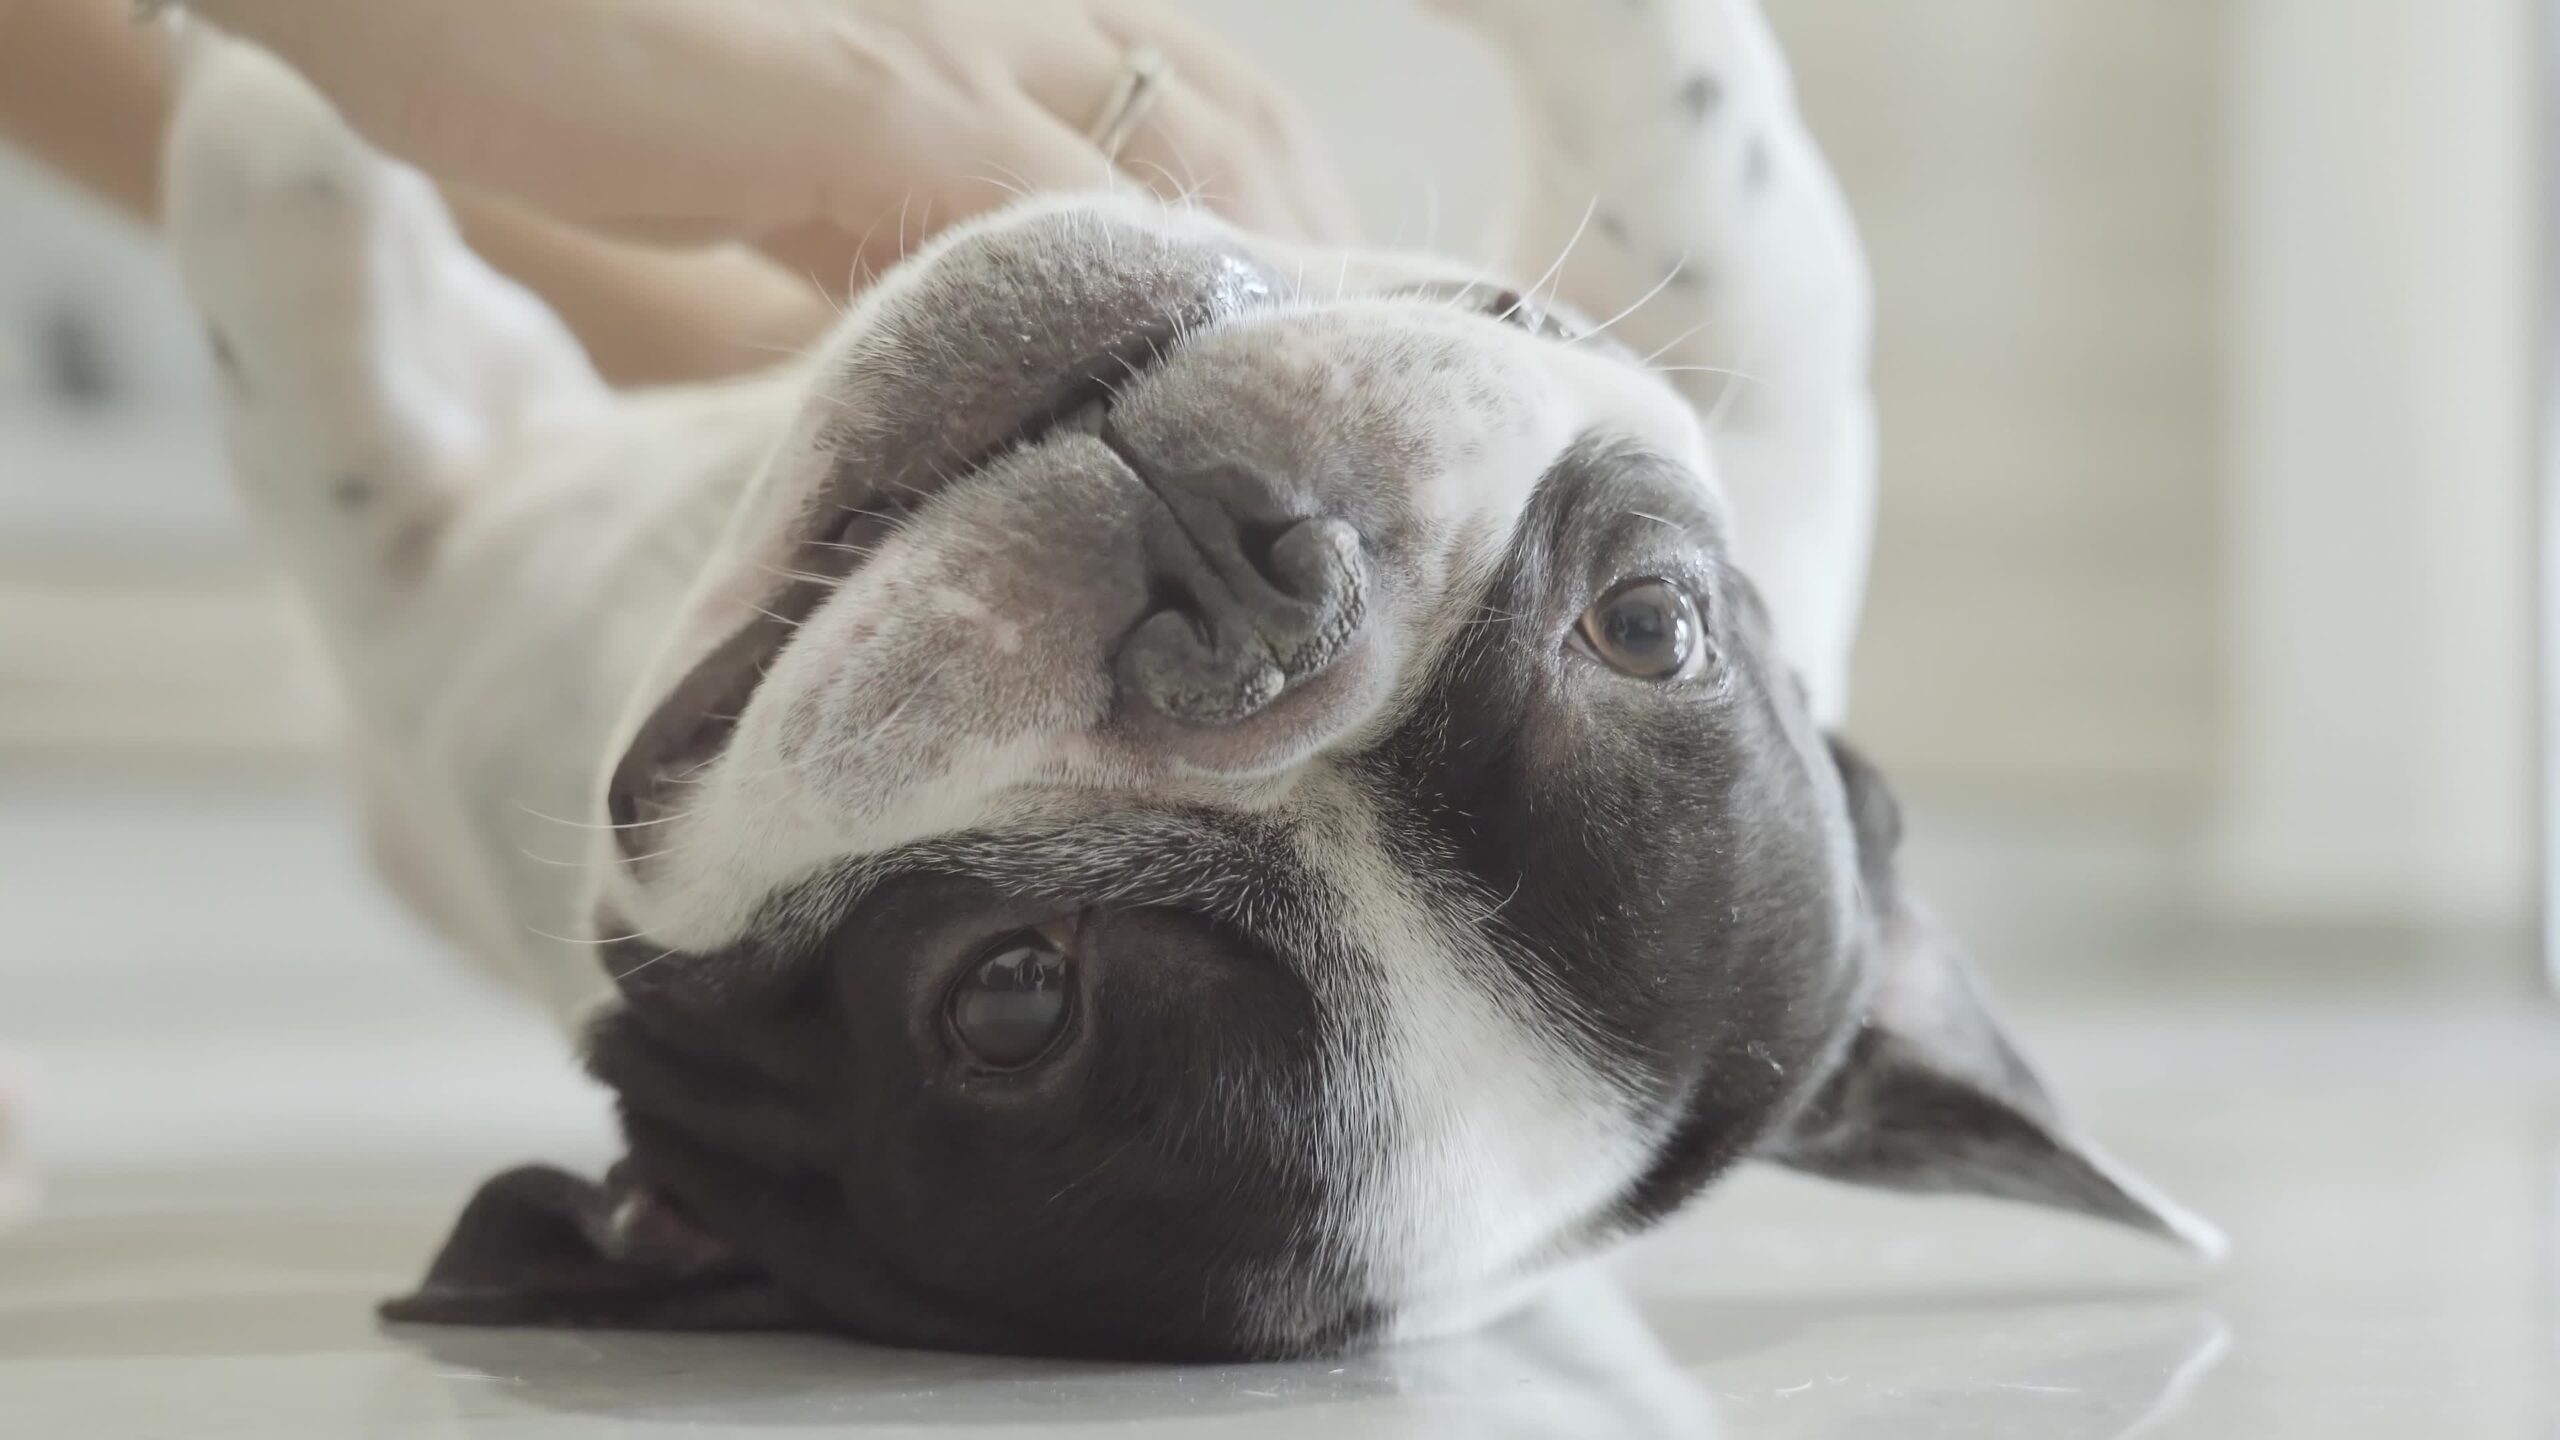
column 1252, row 605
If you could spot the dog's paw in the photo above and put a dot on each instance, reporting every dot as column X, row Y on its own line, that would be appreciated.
column 279, row 215
column 369, row 362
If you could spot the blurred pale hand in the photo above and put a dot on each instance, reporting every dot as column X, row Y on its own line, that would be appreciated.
column 835, row 134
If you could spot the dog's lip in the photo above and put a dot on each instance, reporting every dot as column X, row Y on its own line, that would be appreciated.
column 867, row 516
column 698, row 717
column 849, row 522
column 859, row 507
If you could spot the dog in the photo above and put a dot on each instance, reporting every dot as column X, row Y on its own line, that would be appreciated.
column 1159, row 794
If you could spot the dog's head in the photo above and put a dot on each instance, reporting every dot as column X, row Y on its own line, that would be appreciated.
column 1209, row 811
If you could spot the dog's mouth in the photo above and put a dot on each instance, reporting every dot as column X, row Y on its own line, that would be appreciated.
column 920, row 424
column 881, row 477
column 859, row 512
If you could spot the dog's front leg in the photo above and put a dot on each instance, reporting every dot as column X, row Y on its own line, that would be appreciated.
column 371, row 366
column 1675, row 197
column 488, row 540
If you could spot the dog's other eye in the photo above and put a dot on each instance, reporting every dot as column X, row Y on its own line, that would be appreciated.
column 1644, row 628
column 1011, row 1006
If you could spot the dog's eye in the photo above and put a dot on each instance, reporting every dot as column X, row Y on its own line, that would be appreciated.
column 1012, row 1004
column 1644, row 628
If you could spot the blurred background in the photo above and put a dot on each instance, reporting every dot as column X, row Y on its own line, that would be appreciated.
column 2201, row 643
column 2207, row 366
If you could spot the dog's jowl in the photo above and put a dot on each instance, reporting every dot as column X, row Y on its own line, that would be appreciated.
column 1158, row 794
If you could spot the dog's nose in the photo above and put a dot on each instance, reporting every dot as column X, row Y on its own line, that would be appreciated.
column 1243, row 609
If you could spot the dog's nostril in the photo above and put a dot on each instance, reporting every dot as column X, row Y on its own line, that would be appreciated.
column 1196, row 678
column 1317, row 561
column 1166, row 598
column 1255, row 540
column 1216, row 652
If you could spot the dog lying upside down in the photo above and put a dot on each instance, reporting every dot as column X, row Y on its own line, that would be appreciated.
column 1159, row 793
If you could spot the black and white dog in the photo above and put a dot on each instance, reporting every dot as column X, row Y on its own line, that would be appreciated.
column 1159, row 794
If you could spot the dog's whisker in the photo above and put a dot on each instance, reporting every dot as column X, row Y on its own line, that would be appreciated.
column 1723, row 408
column 1729, row 374
column 807, row 577
column 593, row 825
column 621, row 975
column 1646, row 360
column 1189, row 174
column 1005, row 177
column 1555, row 269
column 1132, row 180
column 767, row 347
column 1647, row 298
column 866, row 514
column 1186, row 195
column 850, row 549
column 576, row 940
column 1098, row 1167
column 825, row 294
column 862, row 251
column 783, row 620
column 584, row 864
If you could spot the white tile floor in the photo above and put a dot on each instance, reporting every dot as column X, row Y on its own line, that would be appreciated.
column 249, row 1132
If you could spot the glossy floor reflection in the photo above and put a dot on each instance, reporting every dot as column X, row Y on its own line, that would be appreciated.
column 243, row 1152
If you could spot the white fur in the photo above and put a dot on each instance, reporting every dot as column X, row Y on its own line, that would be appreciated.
column 1476, row 1133
column 1772, row 341
column 535, row 559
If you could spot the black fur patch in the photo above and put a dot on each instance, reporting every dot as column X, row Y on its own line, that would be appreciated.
column 1756, row 165
column 1700, row 96
column 1658, row 850
column 1153, row 1189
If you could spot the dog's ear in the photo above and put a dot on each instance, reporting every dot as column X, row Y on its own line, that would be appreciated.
column 1930, row 1094
column 538, row 1246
